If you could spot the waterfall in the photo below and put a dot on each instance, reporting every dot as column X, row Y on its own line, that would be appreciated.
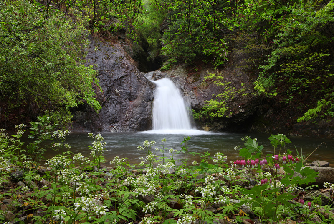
column 170, row 115
column 169, row 110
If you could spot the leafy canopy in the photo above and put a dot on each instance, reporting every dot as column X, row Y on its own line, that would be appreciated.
column 42, row 58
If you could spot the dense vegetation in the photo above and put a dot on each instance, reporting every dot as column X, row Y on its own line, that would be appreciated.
column 42, row 61
column 291, row 57
column 72, row 188
column 290, row 44
column 42, row 71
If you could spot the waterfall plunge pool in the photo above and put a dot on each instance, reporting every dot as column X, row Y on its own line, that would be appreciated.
column 125, row 145
column 171, row 121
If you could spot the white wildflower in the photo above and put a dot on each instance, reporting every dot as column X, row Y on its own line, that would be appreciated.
column 147, row 220
column 117, row 161
column 209, row 179
column 186, row 219
column 181, row 171
column 59, row 215
column 150, row 207
column 207, row 191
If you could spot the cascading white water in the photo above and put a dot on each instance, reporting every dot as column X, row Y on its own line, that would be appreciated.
column 170, row 115
column 169, row 110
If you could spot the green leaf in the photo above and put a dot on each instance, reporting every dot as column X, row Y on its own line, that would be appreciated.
column 169, row 221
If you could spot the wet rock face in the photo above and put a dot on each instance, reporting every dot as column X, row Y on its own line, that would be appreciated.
column 126, row 95
column 196, row 92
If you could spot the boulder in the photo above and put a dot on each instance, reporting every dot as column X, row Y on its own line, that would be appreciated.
column 125, row 94
column 326, row 174
column 319, row 163
column 17, row 176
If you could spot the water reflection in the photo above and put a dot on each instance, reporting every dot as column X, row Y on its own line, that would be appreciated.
column 125, row 145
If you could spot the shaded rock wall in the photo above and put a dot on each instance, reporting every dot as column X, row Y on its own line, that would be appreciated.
column 126, row 96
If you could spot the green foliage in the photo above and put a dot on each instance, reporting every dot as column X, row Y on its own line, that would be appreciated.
column 195, row 31
column 269, row 198
column 279, row 140
column 220, row 105
column 251, row 150
column 46, row 132
column 299, row 65
column 314, row 112
column 157, row 190
column 148, row 25
column 41, row 62
column 97, row 149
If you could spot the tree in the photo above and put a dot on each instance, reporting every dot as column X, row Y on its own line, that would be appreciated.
column 300, row 66
column 42, row 59
column 197, row 31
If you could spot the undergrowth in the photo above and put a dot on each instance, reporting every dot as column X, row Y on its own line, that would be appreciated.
column 72, row 188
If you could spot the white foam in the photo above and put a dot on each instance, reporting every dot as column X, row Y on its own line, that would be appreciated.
column 179, row 132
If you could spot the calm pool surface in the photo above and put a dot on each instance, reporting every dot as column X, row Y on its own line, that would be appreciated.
column 125, row 145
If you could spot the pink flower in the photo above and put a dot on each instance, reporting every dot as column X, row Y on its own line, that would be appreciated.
column 301, row 201
column 256, row 161
column 264, row 181
column 290, row 157
column 309, row 204
column 297, row 159
column 242, row 162
column 277, row 166
column 263, row 162
column 284, row 158
column 237, row 162
column 275, row 157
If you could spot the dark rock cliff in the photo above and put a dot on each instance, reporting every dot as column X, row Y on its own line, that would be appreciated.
column 126, row 95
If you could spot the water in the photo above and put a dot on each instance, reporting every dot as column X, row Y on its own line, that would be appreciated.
column 170, row 114
column 171, row 121
column 125, row 145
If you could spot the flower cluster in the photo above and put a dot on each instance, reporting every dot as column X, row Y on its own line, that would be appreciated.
column 188, row 199
column 248, row 163
column 3, row 135
column 20, row 130
column 68, row 176
column 222, row 200
column 150, row 207
column 285, row 158
column 181, row 171
column 83, row 189
column 166, row 168
column 219, row 158
column 98, row 145
column 230, row 173
column 117, row 161
column 329, row 185
column 80, row 158
column 90, row 205
column 142, row 184
column 58, row 162
column 146, row 144
column 207, row 191
column 59, row 215
column 186, row 219
column 4, row 164
column 171, row 150
column 225, row 190
column 60, row 134
column 147, row 220
column 209, row 179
